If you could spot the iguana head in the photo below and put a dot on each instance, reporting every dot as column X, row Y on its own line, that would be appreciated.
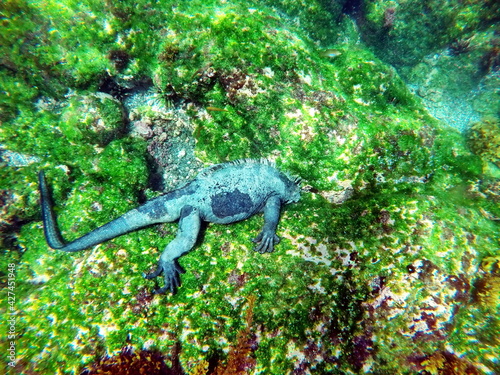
column 292, row 189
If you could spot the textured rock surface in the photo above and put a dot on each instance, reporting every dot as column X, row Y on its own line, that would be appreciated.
column 388, row 264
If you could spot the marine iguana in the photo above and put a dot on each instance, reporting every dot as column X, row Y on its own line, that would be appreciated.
column 223, row 194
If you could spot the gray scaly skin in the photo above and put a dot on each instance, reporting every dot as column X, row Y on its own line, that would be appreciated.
column 223, row 194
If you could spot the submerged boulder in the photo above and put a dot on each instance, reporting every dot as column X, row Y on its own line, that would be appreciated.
column 387, row 264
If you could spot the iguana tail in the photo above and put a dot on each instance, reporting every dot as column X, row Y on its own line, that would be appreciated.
column 128, row 222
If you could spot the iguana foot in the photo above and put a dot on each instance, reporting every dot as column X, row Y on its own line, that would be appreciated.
column 171, row 272
column 266, row 242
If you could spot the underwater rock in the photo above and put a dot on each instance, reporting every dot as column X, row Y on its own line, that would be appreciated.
column 127, row 361
column 453, row 86
column 378, row 265
column 403, row 32
column 96, row 118
column 484, row 139
column 16, row 159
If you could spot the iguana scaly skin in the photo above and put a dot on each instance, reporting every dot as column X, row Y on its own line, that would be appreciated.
column 223, row 194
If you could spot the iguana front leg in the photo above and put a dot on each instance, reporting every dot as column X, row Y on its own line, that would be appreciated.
column 267, row 238
column 189, row 227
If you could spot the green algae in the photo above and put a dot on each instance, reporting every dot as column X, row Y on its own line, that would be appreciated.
column 405, row 32
column 94, row 119
column 318, row 17
column 376, row 261
column 484, row 139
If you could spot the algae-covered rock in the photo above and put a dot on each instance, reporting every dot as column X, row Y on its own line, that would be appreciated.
column 388, row 264
column 406, row 31
column 484, row 139
column 458, row 84
column 95, row 119
column 318, row 18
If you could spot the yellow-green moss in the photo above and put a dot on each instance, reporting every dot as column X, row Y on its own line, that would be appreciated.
column 377, row 261
column 484, row 139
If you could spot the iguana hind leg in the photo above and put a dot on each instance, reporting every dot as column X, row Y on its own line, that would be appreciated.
column 189, row 227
